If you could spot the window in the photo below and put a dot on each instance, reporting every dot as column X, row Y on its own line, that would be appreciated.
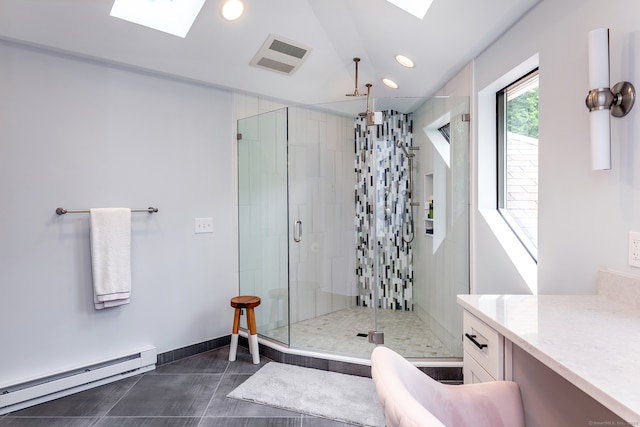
column 445, row 131
column 517, row 117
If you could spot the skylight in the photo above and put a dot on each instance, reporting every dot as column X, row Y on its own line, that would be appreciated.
column 170, row 16
column 417, row 8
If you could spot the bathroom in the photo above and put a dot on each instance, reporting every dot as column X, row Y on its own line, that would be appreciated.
column 80, row 132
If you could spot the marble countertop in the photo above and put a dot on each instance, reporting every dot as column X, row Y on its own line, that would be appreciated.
column 590, row 340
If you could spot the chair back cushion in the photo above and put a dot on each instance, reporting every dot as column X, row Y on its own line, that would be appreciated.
column 411, row 398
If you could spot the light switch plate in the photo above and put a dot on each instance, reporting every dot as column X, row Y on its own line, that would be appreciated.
column 203, row 225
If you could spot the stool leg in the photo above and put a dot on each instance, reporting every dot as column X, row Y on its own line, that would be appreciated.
column 253, row 336
column 256, row 350
column 249, row 311
column 250, row 344
column 233, row 348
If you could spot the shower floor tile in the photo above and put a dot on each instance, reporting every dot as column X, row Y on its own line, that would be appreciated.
column 337, row 332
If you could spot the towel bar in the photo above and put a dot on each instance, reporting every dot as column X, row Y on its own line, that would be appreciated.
column 62, row 211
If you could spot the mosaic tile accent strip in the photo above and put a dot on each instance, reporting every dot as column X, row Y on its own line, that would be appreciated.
column 382, row 187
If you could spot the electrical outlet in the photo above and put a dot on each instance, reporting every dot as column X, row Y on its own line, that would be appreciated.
column 634, row 249
column 203, row 225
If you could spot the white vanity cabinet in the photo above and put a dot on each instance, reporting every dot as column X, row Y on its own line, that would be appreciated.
column 483, row 346
column 571, row 355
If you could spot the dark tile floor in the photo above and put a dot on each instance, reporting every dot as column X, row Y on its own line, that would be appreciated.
column 190, row 392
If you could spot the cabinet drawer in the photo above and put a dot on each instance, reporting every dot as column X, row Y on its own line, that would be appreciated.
column 484, row 344
column 473, row 373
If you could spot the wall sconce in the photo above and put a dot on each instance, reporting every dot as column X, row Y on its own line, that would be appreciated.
column 619, row 100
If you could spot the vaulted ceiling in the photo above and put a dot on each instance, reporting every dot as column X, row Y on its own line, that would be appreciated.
column 217, row 52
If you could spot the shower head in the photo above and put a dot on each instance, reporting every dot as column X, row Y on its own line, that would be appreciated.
column 370, row 115
column 410, row 160
column 401, row 145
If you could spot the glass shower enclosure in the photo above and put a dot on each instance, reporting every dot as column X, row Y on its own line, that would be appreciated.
column 355, row 225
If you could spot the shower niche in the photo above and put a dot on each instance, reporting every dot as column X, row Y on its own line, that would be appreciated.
column 333, row 231
column 429, row 208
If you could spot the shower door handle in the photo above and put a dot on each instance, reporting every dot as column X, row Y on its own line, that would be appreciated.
column 297, row 231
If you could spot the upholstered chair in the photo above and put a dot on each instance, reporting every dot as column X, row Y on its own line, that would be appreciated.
column 410, row 398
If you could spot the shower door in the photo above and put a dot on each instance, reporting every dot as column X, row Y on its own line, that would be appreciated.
column 443, row 124
column 262, row 219
column 412, row 219
column 386, row 226
column 321, row 255
column 295, row 185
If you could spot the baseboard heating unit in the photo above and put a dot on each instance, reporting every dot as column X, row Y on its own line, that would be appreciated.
column 59, row 384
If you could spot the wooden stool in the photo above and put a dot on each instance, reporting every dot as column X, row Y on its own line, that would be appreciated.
column 247, row 302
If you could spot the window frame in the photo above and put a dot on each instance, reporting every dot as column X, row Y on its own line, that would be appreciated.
column 501, row 163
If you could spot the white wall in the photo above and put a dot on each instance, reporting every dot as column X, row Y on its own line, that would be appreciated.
column 584, row 215
column 80, row 134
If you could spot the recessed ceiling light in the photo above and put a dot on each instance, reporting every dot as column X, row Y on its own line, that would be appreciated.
column 417, row 8
column 405, row 61
column 173, row 17
column 390, row 83
column 232, row 9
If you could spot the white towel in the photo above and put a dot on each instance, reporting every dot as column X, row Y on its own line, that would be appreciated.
column 111, row 256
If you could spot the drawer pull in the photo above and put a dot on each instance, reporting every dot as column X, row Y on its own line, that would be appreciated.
column 473, row 340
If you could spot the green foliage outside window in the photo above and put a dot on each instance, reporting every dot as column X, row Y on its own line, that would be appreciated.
column 522, row 114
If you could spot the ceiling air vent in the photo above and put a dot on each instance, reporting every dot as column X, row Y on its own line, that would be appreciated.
column 281, row 55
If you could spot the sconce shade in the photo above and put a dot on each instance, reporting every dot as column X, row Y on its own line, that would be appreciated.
column 599, row 58
column 600, row 125
column 600, row 128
